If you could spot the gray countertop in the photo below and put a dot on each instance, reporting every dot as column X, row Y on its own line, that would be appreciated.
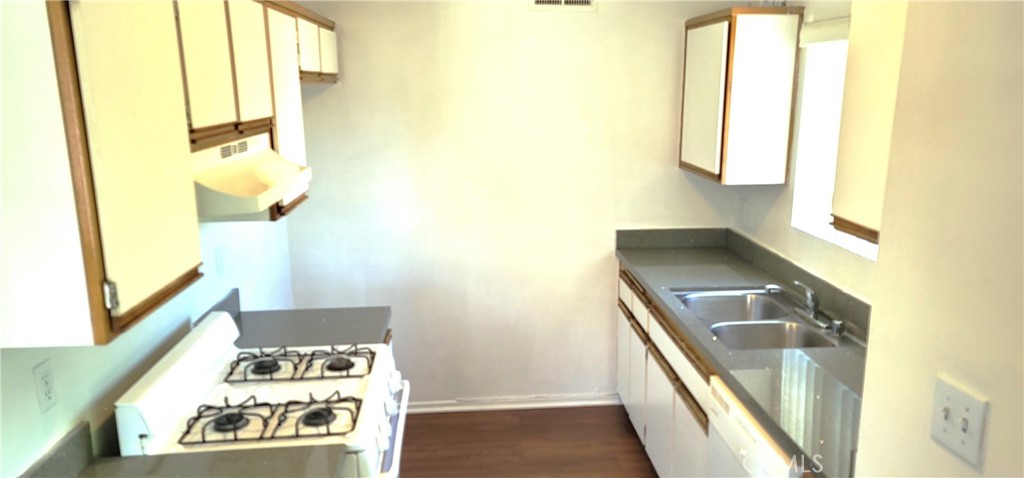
column 807, row 399
column 301, row 327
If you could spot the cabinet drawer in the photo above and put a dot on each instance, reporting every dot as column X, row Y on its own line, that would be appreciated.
column 625, row 294
column 684, row 369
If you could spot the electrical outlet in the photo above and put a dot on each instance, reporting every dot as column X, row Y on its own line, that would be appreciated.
column 958, row 419
column 46, row 391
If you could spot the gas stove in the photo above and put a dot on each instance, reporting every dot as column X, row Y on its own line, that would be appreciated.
column 207, row 395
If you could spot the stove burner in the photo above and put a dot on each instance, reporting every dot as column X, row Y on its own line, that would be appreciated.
column 318, row 417
column 265, row 366
column 230, row 422
column 339, row 364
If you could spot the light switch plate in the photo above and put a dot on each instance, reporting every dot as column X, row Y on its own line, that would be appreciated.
column 958, row 419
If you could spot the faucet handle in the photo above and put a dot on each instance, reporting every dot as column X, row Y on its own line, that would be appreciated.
column 809, row 296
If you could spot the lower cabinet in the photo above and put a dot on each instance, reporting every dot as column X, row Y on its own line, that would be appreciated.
column 622, row 357
column 665, row 414
column 637, row 399
column 689, row 442
column 660, row 421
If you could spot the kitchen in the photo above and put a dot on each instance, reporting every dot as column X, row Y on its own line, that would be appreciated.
column 471, row 167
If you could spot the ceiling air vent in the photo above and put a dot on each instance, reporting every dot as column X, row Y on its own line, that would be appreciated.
column 564, row 5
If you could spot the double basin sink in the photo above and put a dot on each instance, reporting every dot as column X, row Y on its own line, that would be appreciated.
column 753, row 318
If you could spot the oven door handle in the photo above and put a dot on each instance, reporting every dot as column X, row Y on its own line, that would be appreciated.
column 392, row 462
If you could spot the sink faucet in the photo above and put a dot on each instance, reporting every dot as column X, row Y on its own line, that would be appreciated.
column 812, row 314
column 810, row 300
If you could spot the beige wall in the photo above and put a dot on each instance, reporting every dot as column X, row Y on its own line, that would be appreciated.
column 950, row 262
column 471, row 168
column 946, row 291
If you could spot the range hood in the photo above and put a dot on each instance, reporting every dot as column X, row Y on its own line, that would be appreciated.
column 243, row 178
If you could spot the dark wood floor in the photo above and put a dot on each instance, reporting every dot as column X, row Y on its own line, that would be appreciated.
column 588, row 441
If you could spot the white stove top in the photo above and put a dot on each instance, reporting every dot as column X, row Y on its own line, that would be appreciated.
column 183, row 404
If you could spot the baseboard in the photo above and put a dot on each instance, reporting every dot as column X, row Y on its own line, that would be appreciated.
column 524, row 402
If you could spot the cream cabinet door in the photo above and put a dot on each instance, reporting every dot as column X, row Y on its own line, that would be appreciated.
column 660, row 399
column 328, row 51
column 689, row 442
column 637, row 383
column 309, row 45
column 134, row 105
column 622, row 356
column 704, row 96
column 290, row 129
column 207, row 57
column 252, row 60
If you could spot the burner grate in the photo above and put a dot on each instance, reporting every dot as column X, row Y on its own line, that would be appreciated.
column 252, row 420
column 332, row 416
column 244, row 421
column 283, row 364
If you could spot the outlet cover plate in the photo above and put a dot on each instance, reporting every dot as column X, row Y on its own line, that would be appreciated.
column 46, row 391
column 958, row 419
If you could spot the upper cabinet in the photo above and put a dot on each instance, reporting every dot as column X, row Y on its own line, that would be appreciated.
column 738, row 83
column 226, row 70
column 318, row 50
column 133, row 102
column 289, row 135
column 240, row 172
column 252, row 60
column 869, row 106
column 122, row 192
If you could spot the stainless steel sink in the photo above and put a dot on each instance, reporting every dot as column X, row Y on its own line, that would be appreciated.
column 730, row 306
column 752, row 318
column 768, row 334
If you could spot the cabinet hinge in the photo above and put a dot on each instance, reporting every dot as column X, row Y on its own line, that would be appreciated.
column 110, row 295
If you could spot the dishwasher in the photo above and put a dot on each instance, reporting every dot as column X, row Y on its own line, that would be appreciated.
column 737, row 445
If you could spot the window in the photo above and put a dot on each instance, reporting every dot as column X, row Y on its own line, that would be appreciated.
column 823, row 73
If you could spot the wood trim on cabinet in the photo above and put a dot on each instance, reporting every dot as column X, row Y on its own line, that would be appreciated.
column 270, row 71
column 277, row 211
column 730, row 13
column 297, row 10
column 682, row 108
column 685, row 346
column 231, row 54
column 634, row 324
column 317, row 77
column 697, row 170
column 216, row 135
column 689, row 351
column 254, row 127
column 684, row 393
column 181, row 62
column 793, row 95
column 132, row 316
column 80, row 164
column 691, row 403
column 730, row 58
column 855, row 229
column 388, row 336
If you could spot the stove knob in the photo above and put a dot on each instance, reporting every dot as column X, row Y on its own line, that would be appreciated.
column 390, row 407
column 384, row 437
column 395, row 382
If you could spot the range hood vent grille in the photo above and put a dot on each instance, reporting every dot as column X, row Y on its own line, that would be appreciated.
column 229, row 150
